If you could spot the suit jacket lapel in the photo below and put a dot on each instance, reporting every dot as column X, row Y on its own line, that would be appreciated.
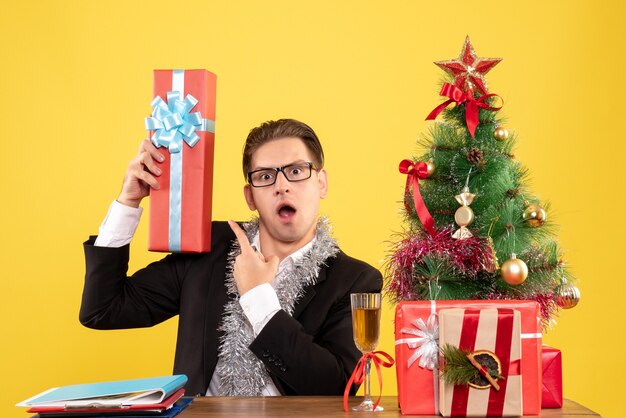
column 308, row 295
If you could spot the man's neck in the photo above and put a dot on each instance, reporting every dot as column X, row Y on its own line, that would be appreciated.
column 271, row 246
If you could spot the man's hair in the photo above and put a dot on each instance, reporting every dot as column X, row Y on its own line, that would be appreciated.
column 277, row 129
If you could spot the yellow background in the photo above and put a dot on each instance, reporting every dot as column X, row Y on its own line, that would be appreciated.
column 76, row 85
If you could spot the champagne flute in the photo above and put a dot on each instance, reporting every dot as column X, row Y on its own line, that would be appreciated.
column 366, row 329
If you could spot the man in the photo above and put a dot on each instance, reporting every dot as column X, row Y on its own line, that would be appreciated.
column 267, row 311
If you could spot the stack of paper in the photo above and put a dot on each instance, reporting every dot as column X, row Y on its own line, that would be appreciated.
column 155, row 396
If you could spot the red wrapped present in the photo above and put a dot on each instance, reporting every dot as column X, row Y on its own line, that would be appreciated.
column 183, row 127
column 552, row 384
column 417, row 333
column 490, row 335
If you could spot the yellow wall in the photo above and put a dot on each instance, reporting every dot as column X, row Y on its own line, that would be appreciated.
column 76, row 84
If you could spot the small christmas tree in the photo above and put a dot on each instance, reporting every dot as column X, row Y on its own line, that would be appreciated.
column 474, row 230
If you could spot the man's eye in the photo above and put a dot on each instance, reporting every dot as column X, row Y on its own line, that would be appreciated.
column 296, row 170
column 263, row 176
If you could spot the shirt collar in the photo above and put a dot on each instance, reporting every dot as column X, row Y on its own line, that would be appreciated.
column 292, row 258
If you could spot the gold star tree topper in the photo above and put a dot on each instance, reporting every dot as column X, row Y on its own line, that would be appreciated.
column 468, row 69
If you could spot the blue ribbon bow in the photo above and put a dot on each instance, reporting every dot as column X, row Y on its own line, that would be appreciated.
column 172, row 123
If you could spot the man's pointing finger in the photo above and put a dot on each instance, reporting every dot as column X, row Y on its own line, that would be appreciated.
column 244, row 244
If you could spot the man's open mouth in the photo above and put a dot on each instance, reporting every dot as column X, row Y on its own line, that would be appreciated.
column 286, row 210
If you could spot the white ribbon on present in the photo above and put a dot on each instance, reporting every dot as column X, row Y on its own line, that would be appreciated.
column 425, row 343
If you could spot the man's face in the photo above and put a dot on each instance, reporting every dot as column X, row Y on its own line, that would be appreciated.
column 287, row 210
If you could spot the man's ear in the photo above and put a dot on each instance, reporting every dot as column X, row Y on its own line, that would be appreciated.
column 322, row 177
column 247, row 193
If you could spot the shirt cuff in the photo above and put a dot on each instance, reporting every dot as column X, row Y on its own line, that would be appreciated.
column 118, row 226
column 260, row 304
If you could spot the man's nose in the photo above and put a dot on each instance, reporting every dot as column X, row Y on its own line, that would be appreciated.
column 282, row 185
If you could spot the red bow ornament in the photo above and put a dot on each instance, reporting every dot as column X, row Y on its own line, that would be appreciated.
column 415, row 172
column 458, row 96
column 358, row 375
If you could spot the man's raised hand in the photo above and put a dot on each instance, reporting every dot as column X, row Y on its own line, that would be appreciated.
column 139, row 177
column 251, row 267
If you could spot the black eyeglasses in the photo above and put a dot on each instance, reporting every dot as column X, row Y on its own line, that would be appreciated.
column 293, row 172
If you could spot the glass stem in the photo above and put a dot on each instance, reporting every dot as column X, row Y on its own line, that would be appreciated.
column 366, row 383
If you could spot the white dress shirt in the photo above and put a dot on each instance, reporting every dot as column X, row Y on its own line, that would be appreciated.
column 259, row 304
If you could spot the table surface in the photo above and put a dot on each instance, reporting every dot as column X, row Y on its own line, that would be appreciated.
column 322, row 407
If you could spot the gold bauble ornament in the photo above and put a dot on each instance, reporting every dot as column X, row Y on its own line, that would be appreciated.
column 534, row 215
column 430, row 167
column 514, row 271
column 501, row 133
column 567, row 295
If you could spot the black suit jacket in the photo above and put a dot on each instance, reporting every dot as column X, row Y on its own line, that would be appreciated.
column 309, row 353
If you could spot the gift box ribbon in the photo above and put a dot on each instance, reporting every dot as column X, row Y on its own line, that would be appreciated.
column 425, row 343
column 458, row 96
column 172, row 121
column 173, row 124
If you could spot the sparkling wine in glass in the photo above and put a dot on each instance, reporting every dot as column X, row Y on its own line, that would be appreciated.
column 366, row 329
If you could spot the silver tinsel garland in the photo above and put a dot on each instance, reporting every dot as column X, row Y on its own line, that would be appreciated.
column 241, row 373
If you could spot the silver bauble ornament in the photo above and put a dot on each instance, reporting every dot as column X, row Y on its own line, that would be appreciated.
column 567, row 295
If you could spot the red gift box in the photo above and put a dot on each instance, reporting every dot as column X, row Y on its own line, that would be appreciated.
column 418, row 385
column 552, row 384
column 494, row 330
column 180, row 211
